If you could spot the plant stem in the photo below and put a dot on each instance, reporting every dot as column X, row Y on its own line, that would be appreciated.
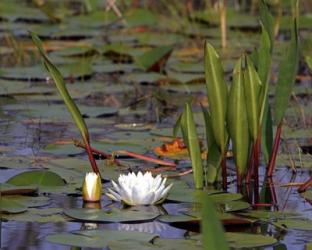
column 256, row 153
column 250, row 167
column 305, row 185
column 277, row 139
column 91, row 158
column 224, row 176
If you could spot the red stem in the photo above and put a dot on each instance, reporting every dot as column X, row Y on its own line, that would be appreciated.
column 250, row 168
column 305, row 185
column 91, row 158
column 256, row 152
column 277, row 139
column 224, row 176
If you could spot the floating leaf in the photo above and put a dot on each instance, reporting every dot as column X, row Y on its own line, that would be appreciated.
column 111, row 215
column 38, row 215
column 307, row 195
column 155, row 59
column 97, row 238
column 243, row 240
column 11, row 206
column 40, row 178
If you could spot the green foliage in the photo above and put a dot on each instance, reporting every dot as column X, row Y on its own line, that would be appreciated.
column 237, row 120
column 213, row 234
column 217, row 93
column 287, row 74
column 252, row 86
column 191, row 140
column 60, row 84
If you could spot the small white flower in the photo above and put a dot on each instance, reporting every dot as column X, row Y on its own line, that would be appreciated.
column 92, row 187
column 139, row 189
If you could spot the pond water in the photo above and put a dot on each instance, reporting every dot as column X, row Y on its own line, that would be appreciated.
column 128, row 107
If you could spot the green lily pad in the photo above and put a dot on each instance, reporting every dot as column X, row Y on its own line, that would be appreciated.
column 38, row 215
column 233, row 206
column 178, row 218
column 155, row 59
column 159, row 243
column 40, row 178
column 112, row 215
column 244, row 240
column 97, row 238
column 298, row 224
column 29, row 201
column 307, row 195
column 11, row 206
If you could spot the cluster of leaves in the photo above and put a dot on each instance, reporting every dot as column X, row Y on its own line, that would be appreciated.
column 242, row 113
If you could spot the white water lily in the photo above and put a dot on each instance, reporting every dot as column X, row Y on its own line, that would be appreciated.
column 92, row 187
column 139, row 189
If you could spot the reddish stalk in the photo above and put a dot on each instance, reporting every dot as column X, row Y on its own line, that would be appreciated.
column 128, row 153
column 95, row 151
column 277, row 140
column 256, row 153
column 224, row 173
column 91, row 158
column 305, row 185
column 147, row 158
column 272, row 190
column 250, row 168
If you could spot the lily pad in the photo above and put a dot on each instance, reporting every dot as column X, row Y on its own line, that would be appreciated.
column 97, row 238
column 11, row 206
column 159, row 243
column 40, row 178
column 244, row 240
column 111, row 215
column 38, row 215
column 307, row 195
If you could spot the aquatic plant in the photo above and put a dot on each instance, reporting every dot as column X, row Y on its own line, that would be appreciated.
column 139, row 189
column 92, row 187
column 242, row 113
column 70, row 104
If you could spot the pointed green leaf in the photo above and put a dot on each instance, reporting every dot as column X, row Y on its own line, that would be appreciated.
column 252, row 85
column 287, row 76
column 237, row 120
column 217, row 94
column 60, row 84
column 213, row 234
column 214, row 154
column 190, row 138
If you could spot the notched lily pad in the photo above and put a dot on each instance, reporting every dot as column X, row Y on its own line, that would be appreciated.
column 111, row 215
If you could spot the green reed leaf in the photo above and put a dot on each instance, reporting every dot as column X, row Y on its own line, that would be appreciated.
column 287, row 74
column 190, row 138
column 252, row 86
column 217, row 94
column 60, row 84
column 238, row 121
column 213, row 234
